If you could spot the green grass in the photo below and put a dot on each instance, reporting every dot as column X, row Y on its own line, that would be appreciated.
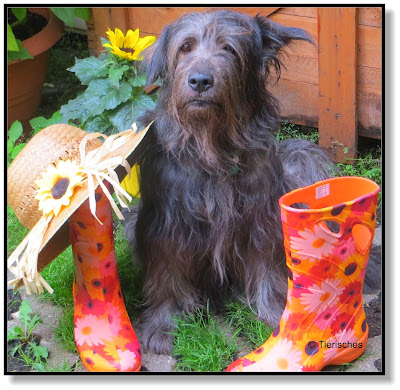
column 245, row 321
column 201, row 344
column 15, row 231
column 130, row 276
column 64, row 332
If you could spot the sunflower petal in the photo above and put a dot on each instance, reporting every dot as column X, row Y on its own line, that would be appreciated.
column 132, row 38
column 144, row 43
column 119, row 38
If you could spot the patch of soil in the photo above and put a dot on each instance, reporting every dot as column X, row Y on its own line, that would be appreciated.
column 16, row 363
column 34, row 24
column 13, row 303
column 373, row 311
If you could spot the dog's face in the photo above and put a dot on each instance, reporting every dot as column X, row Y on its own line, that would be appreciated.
column 212, row 63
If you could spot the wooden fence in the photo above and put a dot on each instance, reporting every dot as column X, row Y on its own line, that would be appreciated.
column 335, row 85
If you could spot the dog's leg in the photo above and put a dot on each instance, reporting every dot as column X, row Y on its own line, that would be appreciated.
column 264, row 283
column 168, row 292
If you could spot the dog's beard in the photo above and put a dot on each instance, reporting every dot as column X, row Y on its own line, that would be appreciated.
column 202, row 123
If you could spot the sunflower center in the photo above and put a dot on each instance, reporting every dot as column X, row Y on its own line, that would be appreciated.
column 60, row 188
column 127, row 50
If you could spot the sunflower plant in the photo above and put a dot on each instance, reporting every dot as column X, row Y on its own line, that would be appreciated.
column 114, row 97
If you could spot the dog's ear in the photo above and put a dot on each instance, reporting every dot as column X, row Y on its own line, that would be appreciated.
column 275, row 37
column 155, row 60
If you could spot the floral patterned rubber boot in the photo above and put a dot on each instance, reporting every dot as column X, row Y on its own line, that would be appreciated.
column 327, row 248
column 104, row 335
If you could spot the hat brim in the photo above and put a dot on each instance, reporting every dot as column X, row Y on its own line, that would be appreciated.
column 57, row 238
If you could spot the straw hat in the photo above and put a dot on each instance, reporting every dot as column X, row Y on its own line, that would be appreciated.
column 55, row 149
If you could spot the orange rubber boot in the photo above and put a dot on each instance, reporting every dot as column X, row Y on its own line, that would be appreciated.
column 327, row 248
column 104, row 335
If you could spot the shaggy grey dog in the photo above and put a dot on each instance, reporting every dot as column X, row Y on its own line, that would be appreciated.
column 212, row 172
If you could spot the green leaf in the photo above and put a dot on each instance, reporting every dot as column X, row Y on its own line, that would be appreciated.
column 67, row 15
column 101, row 124
column 39, row 367
column 82, row 13
column 116, row 72
column 12, row 44
column 15, row 333
column 19, row 13
column 111, row 97
column 22, row 54
column 123, row 116
column 35, row 320
column 10, row 146
column 77, row 109
column 15, row 131
column 17, row 149
column 39, row 351
column 24, row 312
column 41, row 122
column 90, row 68
column 138, row 81
column 100, row 95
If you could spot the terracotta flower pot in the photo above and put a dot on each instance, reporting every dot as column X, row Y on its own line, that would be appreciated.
column 26, row 77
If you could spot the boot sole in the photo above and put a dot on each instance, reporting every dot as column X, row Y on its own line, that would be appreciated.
column 349, row 354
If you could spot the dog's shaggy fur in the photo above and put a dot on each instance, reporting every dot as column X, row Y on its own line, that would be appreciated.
column 212, row 172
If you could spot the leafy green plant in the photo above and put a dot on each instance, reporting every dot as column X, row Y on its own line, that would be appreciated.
column 33, row 355
column 114, row 97
column 368, row 165
column 14, row 144
column 26, row 348
column 29, row 323
column 16, row 51
column 201, row 345
column 291, row 130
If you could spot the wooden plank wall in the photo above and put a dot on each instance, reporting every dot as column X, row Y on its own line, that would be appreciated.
column 337, row 78
column 298, row 87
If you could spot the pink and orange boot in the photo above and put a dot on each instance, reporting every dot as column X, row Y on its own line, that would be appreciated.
column 327, row 248
column 104, row 335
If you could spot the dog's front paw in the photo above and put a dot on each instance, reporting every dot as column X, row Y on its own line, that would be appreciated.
column 156, row 341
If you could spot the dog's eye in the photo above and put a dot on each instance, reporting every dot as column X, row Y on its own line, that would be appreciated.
column 229, row 49
column 186, row 47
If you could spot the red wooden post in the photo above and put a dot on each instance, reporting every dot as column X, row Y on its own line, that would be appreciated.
column 337, row 77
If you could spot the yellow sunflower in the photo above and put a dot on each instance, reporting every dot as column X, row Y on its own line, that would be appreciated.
column 57, row 185
column 128, row 46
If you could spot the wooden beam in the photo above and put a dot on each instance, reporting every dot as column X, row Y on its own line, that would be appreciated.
column 337, row 78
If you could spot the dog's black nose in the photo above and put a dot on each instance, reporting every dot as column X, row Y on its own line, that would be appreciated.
column 200, row 82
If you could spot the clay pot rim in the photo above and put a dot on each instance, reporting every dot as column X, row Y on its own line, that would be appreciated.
column 46, row 37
